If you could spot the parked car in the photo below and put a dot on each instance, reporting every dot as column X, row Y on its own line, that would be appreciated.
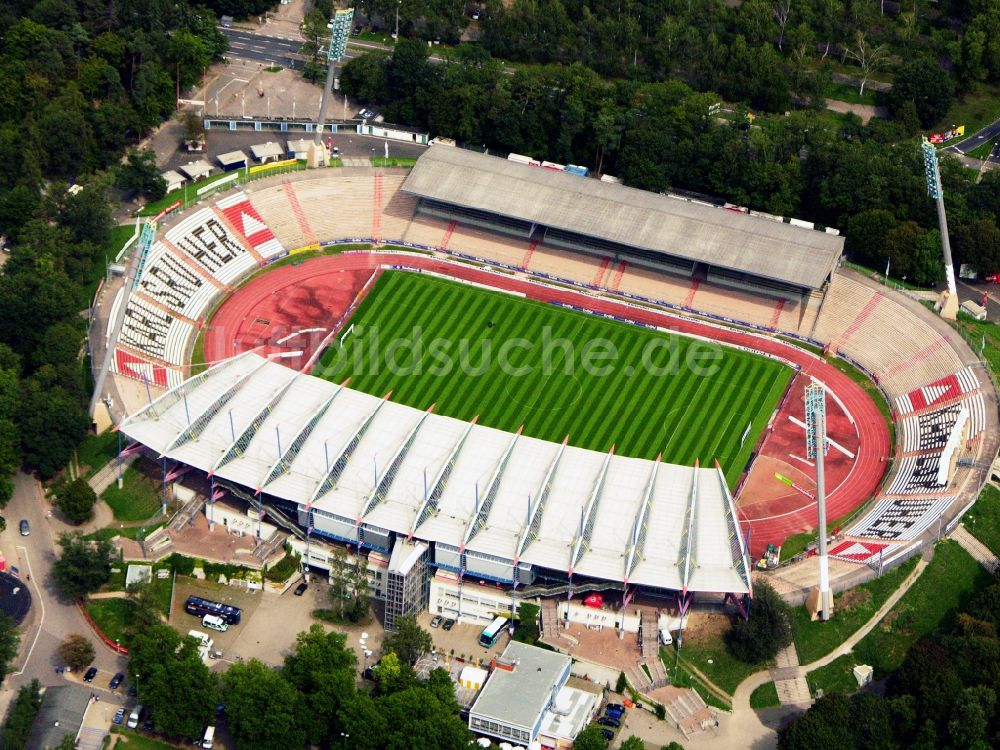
column 25, row 528
column 366, row 114
column 117, row 680
column 301, row 589
column 614, row 713
column 607, row 721
column 119, row 717
column 448, row 624
column 608, row 734
column 665, row 638
column 90, row 674
column 436, row 621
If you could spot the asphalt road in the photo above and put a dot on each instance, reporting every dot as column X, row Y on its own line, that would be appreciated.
column 977, row 139
column 50, row 620
column 269, row 49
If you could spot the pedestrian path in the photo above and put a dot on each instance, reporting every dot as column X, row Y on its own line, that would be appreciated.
column 976, row 548
column 789, row 682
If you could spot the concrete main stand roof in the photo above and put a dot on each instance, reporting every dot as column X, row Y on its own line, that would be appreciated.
column 627, row 216
column 511, row 497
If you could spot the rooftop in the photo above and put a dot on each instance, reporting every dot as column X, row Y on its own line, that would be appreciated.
column 519, row 696
column 627, row 216
column 266, row 427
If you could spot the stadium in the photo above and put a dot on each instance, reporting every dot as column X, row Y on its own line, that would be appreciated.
column 248, row 346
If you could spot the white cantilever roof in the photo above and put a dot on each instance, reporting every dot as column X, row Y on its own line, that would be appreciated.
column 266, row 427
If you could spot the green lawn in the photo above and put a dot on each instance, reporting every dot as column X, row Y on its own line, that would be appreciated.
column 712, row 658
column 111, row 616
column 137, row 500
column 983, row 518
column 851, row 610
column 95, row 451
column 557, row 372
column 187, row 193
column 393, row 161
column 835, row 677
column 983, row 150
column 766, row 696
column 974, row 110
column 129, row 532
column 931, row 603
column 684, row 678
column 846, row 93
column 135, row 741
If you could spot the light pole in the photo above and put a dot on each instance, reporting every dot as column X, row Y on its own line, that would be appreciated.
column 396, row 35
column 340, row 27
column 949, row 306
column 816, row 447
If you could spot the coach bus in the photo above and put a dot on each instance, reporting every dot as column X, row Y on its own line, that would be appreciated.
column 199, row 607
column 492, row 632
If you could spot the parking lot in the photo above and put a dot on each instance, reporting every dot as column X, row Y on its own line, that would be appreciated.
column 270, row 622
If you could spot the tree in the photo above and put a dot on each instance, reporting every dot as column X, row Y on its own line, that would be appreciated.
column 591, row 738
column 178, row 688
column 322, row 669
column 139, row 174
column 765, row 632
column 76, row 501
column 83, row 566
column 9, row 640
column 76, row 652
column 409, row 642
column 21, row 716
column 360, row 719
column 392, row 674
column 866, row 233
column 632, row 743
column 416, row 718
column 922, row 82
column 263, row 710
column 868, row 56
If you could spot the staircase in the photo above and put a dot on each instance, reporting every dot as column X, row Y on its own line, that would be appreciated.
column 264, row 550
column 688, row 711
column 90, row 738
column 638, row 678
column 657, row 672
column 649, row 636
column 187, row 513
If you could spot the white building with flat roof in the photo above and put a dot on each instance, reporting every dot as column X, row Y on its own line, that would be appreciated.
column 524, row 684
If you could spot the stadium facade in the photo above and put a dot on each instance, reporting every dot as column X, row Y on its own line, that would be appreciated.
column 432, row 492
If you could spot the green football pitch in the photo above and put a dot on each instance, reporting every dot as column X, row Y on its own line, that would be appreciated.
column 555, row 371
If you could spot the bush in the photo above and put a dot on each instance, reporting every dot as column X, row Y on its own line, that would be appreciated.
column 21, row 716
column 180, row 564
column 768, row 629
column 76, row 501
column 76, row 652
column 621, row 684
column 527, row 623
column 284, row 569
column 660, row 711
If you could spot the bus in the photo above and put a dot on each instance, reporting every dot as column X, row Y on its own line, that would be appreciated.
column 492, row 633
column 199, row 607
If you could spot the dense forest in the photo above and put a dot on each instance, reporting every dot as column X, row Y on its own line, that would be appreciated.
column 868, row 181
column 943, row 696
column 79, row 82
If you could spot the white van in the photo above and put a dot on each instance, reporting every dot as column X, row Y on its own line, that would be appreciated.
column 214, row 622
column 209, row 738
column 133, row 718
column 665, row 638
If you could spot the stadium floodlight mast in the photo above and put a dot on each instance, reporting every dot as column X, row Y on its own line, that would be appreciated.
column 340, row 28
column 816, row 448
column 948, row 306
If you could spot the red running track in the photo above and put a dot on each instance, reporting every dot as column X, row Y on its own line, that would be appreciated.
column 317, row 292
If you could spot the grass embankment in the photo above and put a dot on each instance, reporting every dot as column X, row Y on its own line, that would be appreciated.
column 930, row 604
column 138, row 499
column 95, row 452
column 851, row 610
column 557, row 372
column 983, row 518
column 710, row 656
